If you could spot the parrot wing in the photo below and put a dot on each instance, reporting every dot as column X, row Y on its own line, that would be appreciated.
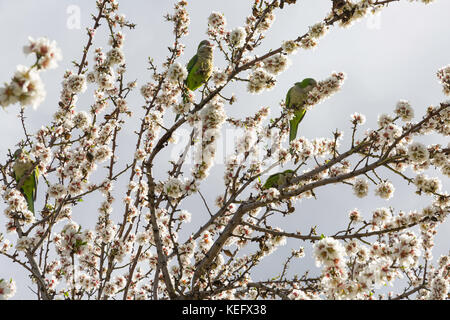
column 192, row 67
column 191, row 63
column 35, row 176
column 29, row 191
column 188, row 81
column 293, row 123
column 29, row 187
column 271, row 181
column 288, row 98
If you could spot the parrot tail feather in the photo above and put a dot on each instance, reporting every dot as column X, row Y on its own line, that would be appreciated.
column 293, row 131
column 293, row 124
column 30, row 204
column 30, row 201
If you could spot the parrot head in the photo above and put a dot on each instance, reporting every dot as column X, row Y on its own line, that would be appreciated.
column 205, row 48
column 308, row 82
column 289, row 173
column 18, row 153
column 204, row 43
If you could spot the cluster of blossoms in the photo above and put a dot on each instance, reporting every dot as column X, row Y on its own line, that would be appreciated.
column 426, row 184
column 358, row 118
column 352, row 12
column 260, row 80
column 444, row 78
column 310, row 40
column 331, row 254
column 216, row 23
column 276, row 63
column 177, row 73
column 17, row 208
column 211, row 119
column 75, row 84
column 289, row 46
column 7, row 289
column 47, row 53
column 266, row 22
column 26, row 86
column 219, row 77
column 361, row 187
column 418, row 153
column 180, row 18
column 174, row 188
column 325, row 89
column 404, row 110
column 385, row 190
column 303, row 149
column 237, row 37
column 103, row 74
column 251, row 122
column 71, row 240
column 353, row 271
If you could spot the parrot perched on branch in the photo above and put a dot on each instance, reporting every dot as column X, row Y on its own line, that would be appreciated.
column 295, row 99
column 278, row 179
column 200, row 66
column 22, row 166
column 199, row 69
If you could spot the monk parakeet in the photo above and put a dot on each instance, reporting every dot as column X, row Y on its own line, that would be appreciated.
column 278, row 179
column 295, row 99
column 199, row 68
column 22, row 165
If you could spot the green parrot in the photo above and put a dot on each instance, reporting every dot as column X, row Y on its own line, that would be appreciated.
column 295, row 99
column 278, row 179
column 22, row 165
column 199, row 69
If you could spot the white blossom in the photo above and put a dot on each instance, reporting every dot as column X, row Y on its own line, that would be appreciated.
column 385, row 190
column 361, row 187
column 237, row 37
column 7, row 289
column 177, row 73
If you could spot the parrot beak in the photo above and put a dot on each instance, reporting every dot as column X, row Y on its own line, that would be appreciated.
column 209, row 44
column 17, row 153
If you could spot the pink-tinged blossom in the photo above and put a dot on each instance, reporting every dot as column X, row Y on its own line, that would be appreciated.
column 404, row 110
column 47, row 52
column 177, row 73
column 325, row 89
column 7, row 289
column 76, row 84
column 260, row 80
column 237, row 37
column 360, row 187
column 26, row 88
column 385, row 190
column 289, row 47
column 444, row 78
column 358, row 118
column 276, row 64
column 217, row 21
column 418, row 153
column 426, row 184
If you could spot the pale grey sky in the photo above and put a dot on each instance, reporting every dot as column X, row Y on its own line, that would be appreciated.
column 392, row 57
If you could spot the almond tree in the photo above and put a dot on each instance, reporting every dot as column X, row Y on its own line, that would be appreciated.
column 140, row 252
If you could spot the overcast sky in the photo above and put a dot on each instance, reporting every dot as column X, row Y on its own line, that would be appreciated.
column 390, row 57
